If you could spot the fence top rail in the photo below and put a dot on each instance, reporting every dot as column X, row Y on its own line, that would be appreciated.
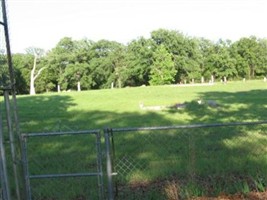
column 129, row 129
column 46, row 134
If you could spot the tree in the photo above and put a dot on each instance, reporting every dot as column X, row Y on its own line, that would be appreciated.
column 184, row 51
column 37, row 53
column 104, row 63
column 263, row 56
column 166, row 57
column 206, row 50
column 119, row 63
column 22, row 64
column 4, row 78
column 224, row 65
column 249, row 54
column 76, row 73
column 58, row 60
column 162, row 70
column 138, row 61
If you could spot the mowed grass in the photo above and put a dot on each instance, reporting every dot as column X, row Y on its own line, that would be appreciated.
column 237, row 101
column 151, row 164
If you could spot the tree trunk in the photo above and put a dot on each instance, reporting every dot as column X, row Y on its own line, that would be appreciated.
column 33, row 77
column 32, row 88
column 119, row 82
column 252, row 71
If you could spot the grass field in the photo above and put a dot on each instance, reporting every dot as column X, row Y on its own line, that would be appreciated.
column 162, row 165
column 237, row 101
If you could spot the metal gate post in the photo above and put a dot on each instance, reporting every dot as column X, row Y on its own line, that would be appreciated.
column 26, row 168
column 99, row 166
column 109, row 164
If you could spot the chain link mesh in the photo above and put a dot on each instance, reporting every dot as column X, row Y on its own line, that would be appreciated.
column 179, row 163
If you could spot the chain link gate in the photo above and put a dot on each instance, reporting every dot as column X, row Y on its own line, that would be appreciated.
column 63, row 165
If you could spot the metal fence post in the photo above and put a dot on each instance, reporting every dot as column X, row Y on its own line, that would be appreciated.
column 109, row 164
column 3, row 168
column 99, row 165
column 26, row 168
column 12, row 141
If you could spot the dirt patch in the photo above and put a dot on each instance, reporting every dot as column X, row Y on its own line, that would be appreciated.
column 172, row 190
column 249, row 196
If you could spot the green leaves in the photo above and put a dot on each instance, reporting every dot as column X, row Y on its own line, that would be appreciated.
column 162, row 70
column 251, row 54
column 166, row 57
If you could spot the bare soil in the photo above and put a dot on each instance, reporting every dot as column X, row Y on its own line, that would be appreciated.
column 249, row 196
column 171, row 190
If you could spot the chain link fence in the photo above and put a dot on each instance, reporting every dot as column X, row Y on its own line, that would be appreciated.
column 174, row 162
column 184, row 161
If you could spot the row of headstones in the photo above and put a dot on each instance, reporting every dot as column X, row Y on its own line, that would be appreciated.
column 224, row 80
column 211, row 81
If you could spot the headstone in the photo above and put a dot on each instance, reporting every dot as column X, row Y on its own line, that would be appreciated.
column 224, row 79
column 79, row 86
column 58, row 88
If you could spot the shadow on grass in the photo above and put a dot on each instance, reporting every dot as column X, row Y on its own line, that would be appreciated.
column 231, row 107
column 198, row 161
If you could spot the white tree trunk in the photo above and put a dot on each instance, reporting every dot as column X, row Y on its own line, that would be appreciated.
column 32, row 88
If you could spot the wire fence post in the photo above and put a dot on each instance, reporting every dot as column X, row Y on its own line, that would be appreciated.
column 109, row 164
column 26, row 168
column 3, row 169
column 12, row 141
column 99, row 166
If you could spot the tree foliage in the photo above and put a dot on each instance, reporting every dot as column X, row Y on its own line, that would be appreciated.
column 167, row 57
column 162, row 70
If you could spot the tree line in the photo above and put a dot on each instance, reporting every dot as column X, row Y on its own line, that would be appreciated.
column 166, row 57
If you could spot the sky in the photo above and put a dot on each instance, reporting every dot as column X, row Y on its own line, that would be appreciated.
column 42, row 23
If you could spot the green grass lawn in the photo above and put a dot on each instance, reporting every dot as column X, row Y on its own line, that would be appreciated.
column 154, row 164
column 237, row 101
